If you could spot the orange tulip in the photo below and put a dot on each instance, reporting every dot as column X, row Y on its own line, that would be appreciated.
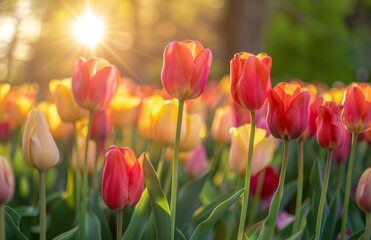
column 186, row 69
column 357, row 108
column 250, row 79
column 288, row 112
column 122, row 179
column 6, row 181
column 330, row 129
column 94, row 83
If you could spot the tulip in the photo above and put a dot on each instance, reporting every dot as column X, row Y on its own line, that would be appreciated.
column 19, row 107
column 6, row 181
column 196, row 163
column 330, row 129
column 122, row 179
column 196, row 131
column 101, row 126
column 79, row 155
column 363, row 198
column 357, row 108
column 94, row 83
column 288, row 112
column 4, row 90
column 250, row 79
column 124, row 108
column 341, row 154
column 38, row 145
column 149, row 105
column 311, row 129
column 5, row 131
column 186, row 69
column 67, row 107
column 269, row 183
column 263, row 149
column 223, row 121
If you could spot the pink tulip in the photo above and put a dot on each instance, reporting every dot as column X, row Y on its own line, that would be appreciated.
column 6, row 181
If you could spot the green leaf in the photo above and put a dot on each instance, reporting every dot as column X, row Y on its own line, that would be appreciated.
column 159, row 204
column 92, row 226
column 13, row 220
column 27, row 211
column 288, row 193
column 297, row 235
column 139, row 219
column 355, row 218
column 329, row 222
column 357, row 235
column 58, row 213
column 67, row 235
column 179, row 235
column 188, row 200
column 203, row 228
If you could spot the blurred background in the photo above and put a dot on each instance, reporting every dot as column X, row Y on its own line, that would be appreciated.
column 315, row 40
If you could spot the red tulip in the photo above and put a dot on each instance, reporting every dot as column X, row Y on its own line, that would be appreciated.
column 269, row 185
column 363, row 193
column 186, row 69
column 288, row 112
column 250, row 79
column 5, row 131
column 357, row 108
column 330, row 129
column 311, row 129
column 94, row 83
column 122, row 179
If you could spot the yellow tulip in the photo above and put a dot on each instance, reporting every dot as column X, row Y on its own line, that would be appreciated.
column 194, row 134
column 264, row 147
column 4, row 90
column 38, row 145
column 124, row 109
column 223, row 121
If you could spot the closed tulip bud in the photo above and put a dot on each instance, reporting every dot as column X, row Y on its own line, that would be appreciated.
column 38, row 145
column 186, row 69
column 269, row 184
column 250, row 79
column 6, row 181
column 94, row 83
column 264, row 147
column 196, row 131
column 122, row 179
column 330, row 129
column 288, row 111
column 67, row 107
column 196, row 164
column 223, row 121
column 357, row 108
column 363, row 193
column 311, row 129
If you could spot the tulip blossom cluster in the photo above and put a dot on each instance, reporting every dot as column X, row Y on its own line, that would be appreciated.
column 246, row 146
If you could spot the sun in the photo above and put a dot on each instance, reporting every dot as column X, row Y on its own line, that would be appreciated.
column 88, row 29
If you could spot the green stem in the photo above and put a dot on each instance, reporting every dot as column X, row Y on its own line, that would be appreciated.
column 84, row 199
column 245, row 197
column 348, row 185
column 299, row 192
column 174, row 179
column 323, row 194
column 120, row 214
column 256, row 198
column 368, row 226
column 276, row 201
column 94, row 177
column 2, row 222
column 77, row 174
column 42, row 205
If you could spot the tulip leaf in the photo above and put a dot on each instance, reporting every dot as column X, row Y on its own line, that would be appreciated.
column 186, row 205
column 159, row 204
column 92, row 226
column 179, row 235
column 297, row 236
column 355, row 219
column 59, row 211
column 329, row 222
column 203, row 228
column 138, row 221
column 67, row 235
column 13, row 220
column 357, row 235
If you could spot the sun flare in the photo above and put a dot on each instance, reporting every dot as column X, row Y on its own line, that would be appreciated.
column 88, row 29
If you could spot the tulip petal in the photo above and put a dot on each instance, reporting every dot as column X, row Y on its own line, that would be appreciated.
column 298, row 115
column 276, row 116
column 201, row 72
column 136, row 181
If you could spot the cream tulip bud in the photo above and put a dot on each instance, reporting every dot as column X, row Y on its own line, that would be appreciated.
column 38, row 145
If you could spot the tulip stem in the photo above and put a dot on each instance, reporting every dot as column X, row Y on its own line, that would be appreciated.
column 77, row 174
column 323, row 194
column 84, row 200
column 257, row 196
column 348, row 185
column 2, row 222
column 42, row 206
column 368, row 226
column 270, row 222
column 299, row 192
column 245, row 197
column 120, row 214
column 174, row 182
